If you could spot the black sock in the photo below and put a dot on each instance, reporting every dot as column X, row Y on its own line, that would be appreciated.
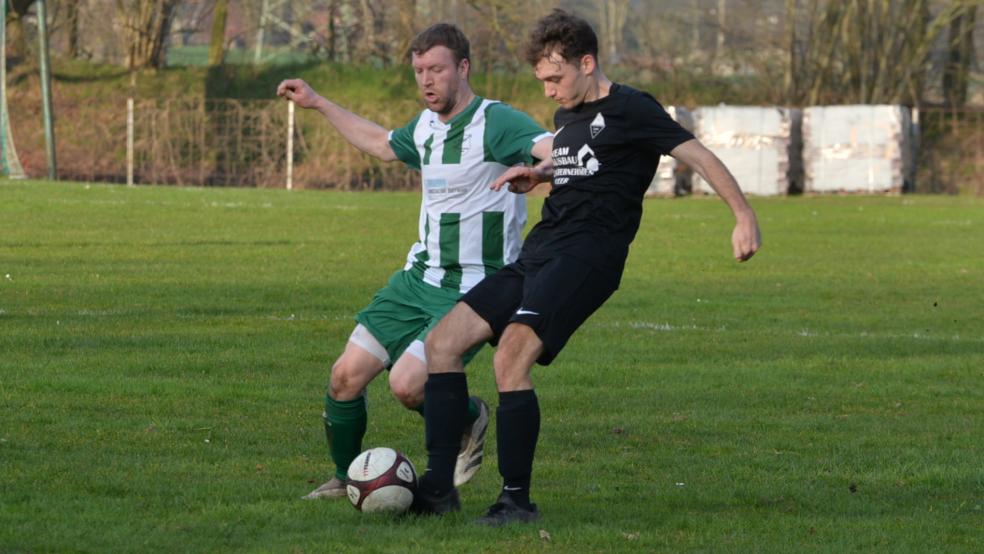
column 473, row 412
column 518, row 426
column 445, row 413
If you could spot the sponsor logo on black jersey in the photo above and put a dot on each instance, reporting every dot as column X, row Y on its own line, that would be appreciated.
column 586, row 159
column 582, row 164
column 597, row 126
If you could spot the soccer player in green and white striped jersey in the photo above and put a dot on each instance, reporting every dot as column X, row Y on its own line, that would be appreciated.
column 460, row 143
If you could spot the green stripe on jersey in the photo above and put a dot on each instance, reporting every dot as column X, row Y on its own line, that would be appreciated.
column 423, row 255
column 450, row 244
column 427, row 149
column 420, row 265
column 493, row 227
column 456, row 134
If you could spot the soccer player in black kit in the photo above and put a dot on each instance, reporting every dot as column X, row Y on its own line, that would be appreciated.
column 608, row 142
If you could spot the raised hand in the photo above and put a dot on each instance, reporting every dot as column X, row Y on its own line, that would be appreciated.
column 300, row 92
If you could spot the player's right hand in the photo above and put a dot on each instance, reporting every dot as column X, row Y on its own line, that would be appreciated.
column 746, row 239
column 299, row 92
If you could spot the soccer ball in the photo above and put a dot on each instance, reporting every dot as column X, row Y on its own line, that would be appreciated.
column 381, row 480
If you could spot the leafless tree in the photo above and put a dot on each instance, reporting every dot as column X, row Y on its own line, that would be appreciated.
column 613, row 16
column 872, row 51
column 960, row 58
column 145, row 26
column 18, row 45
column 71, row 20
column 216, row 48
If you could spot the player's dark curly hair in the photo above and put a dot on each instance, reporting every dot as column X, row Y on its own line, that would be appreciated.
column 566, row 34
column 442, row 34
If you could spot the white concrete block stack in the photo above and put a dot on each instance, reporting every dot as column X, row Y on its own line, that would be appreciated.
column 761, row 146
column 857, row 149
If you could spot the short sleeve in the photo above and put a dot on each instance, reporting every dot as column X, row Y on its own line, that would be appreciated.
column 654, row 130
column 403, row 145
column 510, row 135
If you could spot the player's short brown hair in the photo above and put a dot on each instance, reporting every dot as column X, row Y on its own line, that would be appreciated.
column 442, row 34
column 566, row 34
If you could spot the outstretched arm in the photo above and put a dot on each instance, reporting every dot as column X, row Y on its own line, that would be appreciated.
column 746, row 238
column 360, row 132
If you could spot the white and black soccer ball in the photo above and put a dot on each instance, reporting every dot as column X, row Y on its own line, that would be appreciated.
column 381, row 480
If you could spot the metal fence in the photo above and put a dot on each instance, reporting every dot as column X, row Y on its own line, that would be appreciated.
column 244, row 143
column 212, row 143
column 201, row 143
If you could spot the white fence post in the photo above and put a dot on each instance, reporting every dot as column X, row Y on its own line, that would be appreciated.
column 290, row 145
column 129, row 142
column 916, row 136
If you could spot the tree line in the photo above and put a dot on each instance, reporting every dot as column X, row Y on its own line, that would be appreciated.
column 799, row 51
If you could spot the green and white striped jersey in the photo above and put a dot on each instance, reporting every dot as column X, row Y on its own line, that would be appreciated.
column 466, row 231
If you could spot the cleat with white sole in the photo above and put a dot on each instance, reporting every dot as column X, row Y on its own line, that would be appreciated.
column 335, row 488
column 472, row 446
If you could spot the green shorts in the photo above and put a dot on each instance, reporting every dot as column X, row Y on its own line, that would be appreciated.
column 405, row 310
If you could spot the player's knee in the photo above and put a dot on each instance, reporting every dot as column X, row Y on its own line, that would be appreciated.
column 408, row 392
column 345, row 382
column 507, row 372
column 439, row 344
column 511, row 377
column 512, row 361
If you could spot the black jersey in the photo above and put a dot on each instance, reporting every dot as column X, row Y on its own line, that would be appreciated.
column 605, row 154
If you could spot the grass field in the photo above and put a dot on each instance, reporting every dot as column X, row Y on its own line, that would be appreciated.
column 164, row 351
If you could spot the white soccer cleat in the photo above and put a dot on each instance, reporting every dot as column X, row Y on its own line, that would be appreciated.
column 472, row 446
column 335, row 488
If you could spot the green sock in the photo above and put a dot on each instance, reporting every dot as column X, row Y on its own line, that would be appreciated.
column 345, row 425
column 472, row 411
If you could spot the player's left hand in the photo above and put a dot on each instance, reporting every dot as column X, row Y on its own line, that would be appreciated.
column 521, row 179
column 746, row 238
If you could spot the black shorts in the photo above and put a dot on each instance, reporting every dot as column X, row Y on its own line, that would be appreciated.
column 554, row 298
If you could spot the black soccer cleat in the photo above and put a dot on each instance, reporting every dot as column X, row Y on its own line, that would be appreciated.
column 425, row 504
column 505, row 511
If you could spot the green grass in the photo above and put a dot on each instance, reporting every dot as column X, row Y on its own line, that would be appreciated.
column 197, row 55
column 163, row 354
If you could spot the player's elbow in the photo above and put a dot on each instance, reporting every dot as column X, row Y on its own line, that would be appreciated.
column 386, row 154
column 382, row 150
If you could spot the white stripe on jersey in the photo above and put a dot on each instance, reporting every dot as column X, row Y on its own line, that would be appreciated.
column 462, row 188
